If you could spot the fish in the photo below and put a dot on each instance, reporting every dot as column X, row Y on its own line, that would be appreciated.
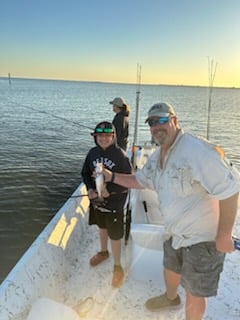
column 100, row 182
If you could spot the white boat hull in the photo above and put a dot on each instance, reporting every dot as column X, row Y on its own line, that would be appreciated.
column 42, row 271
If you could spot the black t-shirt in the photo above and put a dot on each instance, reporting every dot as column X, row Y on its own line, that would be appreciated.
column 115, row 160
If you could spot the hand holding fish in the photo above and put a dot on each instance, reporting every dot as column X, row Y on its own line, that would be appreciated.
column 92, row 194
column 100, row 181
column 107, row 175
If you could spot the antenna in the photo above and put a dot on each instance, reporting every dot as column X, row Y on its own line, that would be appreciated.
column 212, row 67
column 137, row 103
column 133, row 160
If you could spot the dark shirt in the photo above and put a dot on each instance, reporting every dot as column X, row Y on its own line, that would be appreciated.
column 114, row 159
column 121, row 123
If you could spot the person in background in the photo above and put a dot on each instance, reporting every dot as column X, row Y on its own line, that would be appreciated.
column 107, row 212
column 121, row 121
column 198, row 192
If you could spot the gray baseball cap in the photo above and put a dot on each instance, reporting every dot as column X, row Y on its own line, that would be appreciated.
column 119, row 102
column 161, row 109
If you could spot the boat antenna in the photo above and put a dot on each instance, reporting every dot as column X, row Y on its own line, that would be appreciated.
column 128, row 216
column 137, row 103
column 134, row 145
column 212, row 67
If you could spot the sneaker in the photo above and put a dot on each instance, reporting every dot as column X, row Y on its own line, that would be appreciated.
column 161, row 302
column 118, row 277
column 98, row 258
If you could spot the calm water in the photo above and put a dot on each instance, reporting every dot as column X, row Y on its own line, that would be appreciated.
column 41, row 154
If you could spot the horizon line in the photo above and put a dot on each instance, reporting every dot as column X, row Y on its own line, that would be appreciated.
column 116, row 82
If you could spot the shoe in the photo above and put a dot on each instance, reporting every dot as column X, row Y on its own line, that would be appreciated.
column 118, row 277
column 98, row 258
column 161, row 302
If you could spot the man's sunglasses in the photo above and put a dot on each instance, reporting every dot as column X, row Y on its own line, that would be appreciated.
column 160, row 120
column 104, row 130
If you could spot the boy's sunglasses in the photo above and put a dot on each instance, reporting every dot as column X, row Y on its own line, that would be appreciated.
column 160, row 120
column 103, row 130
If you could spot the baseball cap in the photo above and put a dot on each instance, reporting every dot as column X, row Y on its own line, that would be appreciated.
column 161, row 109
column 103, row 127
column 119, row 102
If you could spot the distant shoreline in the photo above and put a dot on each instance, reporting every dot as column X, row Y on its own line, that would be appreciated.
column 120, row 83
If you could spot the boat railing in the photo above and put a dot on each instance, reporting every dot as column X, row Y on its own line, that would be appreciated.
column 38, row 265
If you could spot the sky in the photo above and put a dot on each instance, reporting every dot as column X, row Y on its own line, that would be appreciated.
column 179, row 42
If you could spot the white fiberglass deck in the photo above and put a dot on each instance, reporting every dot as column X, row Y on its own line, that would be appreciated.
column 57, row 267
column 143, row 280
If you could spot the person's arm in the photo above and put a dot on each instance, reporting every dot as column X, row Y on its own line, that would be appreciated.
column 227, row 215
column 87, row 175
column 125, row 180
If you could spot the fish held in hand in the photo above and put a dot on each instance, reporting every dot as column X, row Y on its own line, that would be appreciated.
column 100, row 183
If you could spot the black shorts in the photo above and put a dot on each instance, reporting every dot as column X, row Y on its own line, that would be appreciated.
column 200, row 266
column 113, row 222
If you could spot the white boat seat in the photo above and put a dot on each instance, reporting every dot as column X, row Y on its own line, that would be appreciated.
column 145, row 208
column 150, row 236
column 147, row 228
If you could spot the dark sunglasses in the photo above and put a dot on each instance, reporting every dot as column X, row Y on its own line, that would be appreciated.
column 103, row 130
column 160, row 120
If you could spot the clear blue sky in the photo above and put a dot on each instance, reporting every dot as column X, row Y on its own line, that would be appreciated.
column 104, row 40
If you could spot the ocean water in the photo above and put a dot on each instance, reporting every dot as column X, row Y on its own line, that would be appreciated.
column 45, row 130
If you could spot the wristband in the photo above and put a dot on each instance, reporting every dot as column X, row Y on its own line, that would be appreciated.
column 113, row 177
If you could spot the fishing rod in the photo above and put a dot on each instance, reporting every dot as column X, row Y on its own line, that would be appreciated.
column 57, row 117
column 134, row 148
column 79, row 196
column 137, row 103
column 128, row 216
column 211, row 76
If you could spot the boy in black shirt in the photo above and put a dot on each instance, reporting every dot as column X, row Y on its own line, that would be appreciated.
column 107, row 212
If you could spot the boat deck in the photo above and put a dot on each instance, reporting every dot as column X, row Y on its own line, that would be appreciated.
column 143, row 268
column 56, row 267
